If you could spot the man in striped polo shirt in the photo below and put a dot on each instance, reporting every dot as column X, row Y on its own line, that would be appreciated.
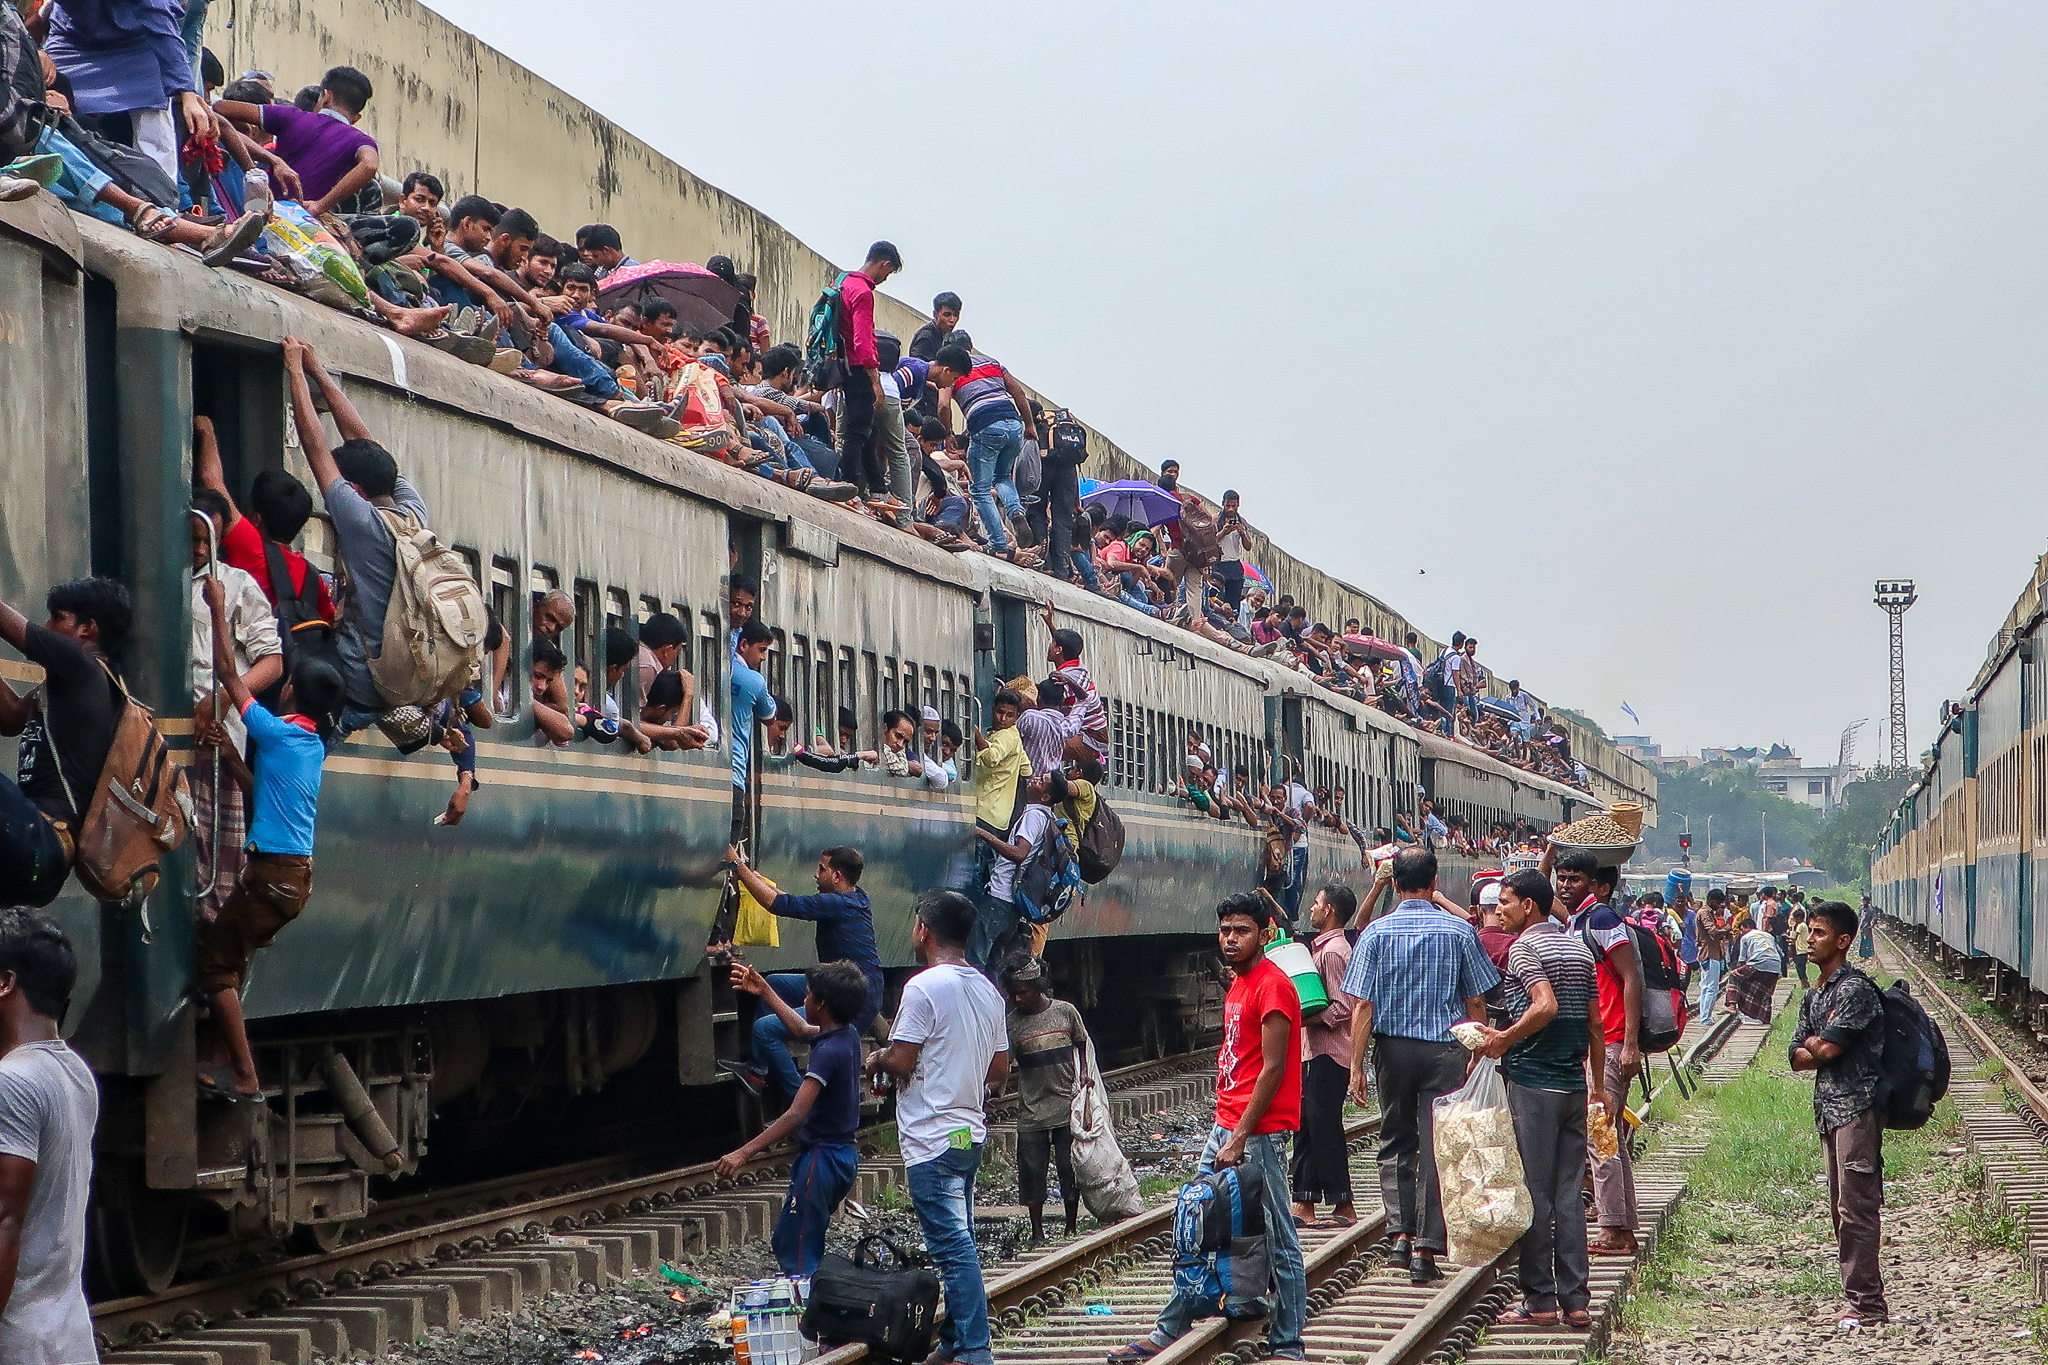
column 994, row 404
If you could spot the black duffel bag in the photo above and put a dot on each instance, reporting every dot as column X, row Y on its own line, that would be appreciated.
column 894, row 1311
column 133, row 171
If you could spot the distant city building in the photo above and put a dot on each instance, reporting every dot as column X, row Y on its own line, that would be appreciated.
column 1777, row 766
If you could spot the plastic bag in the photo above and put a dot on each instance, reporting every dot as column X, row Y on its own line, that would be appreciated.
column 755, row 927
column 1479, row 1168
column 296, row 240
column 1472, row 1035
column 1600, row 1137
column 1107, row 1185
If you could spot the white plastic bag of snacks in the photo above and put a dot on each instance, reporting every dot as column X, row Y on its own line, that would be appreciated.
column 1472, row 1035
column 1479, row 1168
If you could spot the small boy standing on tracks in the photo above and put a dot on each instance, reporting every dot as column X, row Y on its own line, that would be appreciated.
column 1048, row 1049
column 824, row 1115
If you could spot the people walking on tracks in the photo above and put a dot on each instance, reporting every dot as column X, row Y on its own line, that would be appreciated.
column 1048, row 1050
column 1322, row 1166
column 1413, row 974
column 1588, row 889
column 846, row 933
column 1554, row 995
column 1840, row 1039
column 949, row 1043
column 1754, row 981
column 824, row 1114
column 49, row 1105
column 1258, row 1101
column 1714, row 936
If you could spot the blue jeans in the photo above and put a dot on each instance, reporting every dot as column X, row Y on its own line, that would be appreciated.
column 1711, row 972
column 771, row 1035
column 1292, row 901
column 1290, row 1276
column 997, row 930
column 571, row 359
column 820, row 1178
column 792, row 454
column 991, row 454
column 1084, row 565
column 942, row 1190
column 82, row 180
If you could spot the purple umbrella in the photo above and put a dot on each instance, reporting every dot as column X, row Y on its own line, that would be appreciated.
column 1134, row 498
column 701, row 299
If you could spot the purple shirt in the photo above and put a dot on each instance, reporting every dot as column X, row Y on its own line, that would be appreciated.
column 320, row 148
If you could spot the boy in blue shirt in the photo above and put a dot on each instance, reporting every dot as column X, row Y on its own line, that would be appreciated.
column 824, row 1114
column 284, row 798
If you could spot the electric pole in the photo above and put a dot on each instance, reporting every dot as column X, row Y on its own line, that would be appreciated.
column 1894, row 596
column 1763, row 828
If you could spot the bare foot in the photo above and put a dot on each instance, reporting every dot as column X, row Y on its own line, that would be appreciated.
column 415, row 322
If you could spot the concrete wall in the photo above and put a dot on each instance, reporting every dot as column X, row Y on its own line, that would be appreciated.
column 447, row 103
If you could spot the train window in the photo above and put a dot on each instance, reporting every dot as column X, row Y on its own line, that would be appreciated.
column 649, row 606
column 589, row 638
column 910, row 700
column 504, row 590
column 711, row 662
column 800, row 698
column 542, row 580
column 1116, row 742
column 778, row 658
column 618, row 607
column 474, row 562
column 891, row 690
column 825, row 719
column 870, row 694
column 931, row 691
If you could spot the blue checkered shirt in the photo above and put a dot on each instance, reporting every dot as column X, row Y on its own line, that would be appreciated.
column 1418, row 967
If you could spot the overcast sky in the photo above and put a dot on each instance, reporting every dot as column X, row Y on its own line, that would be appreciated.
column 1653, row 335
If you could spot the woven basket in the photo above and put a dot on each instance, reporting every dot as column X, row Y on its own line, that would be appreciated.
column 1629, row 816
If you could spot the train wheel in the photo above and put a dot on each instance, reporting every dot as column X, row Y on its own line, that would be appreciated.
column 313, row 1238
column 135, row 1236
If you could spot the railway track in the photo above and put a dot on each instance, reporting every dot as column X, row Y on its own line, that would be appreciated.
column 2010, row 1138
column 433, row 1259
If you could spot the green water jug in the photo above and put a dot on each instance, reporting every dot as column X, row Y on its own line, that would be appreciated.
column 1293, row 958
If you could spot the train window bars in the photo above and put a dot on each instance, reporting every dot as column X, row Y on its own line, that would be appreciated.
column 504, row 591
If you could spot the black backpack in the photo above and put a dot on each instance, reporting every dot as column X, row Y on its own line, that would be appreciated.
column 1099, row 844
column 304, row 633
column 1069, row 445
column 1913, row 1076
column 128, row 168
column 893, row 1311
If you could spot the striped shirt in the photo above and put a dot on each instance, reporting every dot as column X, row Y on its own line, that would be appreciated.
column 1417, row 967
column 1553, row 1057
column 982, row 395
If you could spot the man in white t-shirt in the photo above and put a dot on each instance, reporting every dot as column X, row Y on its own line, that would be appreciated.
column 1300, row 805
column 49, row 1105
column 949, row 1044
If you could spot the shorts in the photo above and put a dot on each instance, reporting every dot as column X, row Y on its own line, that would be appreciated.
column 270, row 893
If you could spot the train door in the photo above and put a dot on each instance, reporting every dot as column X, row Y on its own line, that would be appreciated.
column 1284, row 727
column 1002, row 647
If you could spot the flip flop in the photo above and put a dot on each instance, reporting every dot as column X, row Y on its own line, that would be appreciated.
column 1519, row 1316
column 1579, row 1320
column 216, row 1080
column 1131, row 1351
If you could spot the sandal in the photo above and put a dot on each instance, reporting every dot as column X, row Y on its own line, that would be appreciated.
column 150, row 221
column 216, row 1080
column 1579, row 1320
column 1140, row 1349
column 1518, row 1316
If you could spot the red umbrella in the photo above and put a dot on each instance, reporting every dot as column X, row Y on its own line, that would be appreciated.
column 701, row 299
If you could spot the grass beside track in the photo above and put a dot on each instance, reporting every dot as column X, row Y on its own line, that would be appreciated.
column 1751, row 1246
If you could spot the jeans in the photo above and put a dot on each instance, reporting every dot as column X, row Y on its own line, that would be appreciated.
column 82, row 180
column 1712, row 969
column 793, row 455
column 991, row 454
column 857, row 461
column 1084, row 565
column 1411, row 1073
column 1322, row 1167
column 32, row 861
column 1294, row 885
column 819, row 1179
column 942, row 1191
column 1550, row 1131
column 572, row 360
column 1290, row 1276
column 997, row 930
column 1060, row 494
column 1230, row 575
column 771, row 1035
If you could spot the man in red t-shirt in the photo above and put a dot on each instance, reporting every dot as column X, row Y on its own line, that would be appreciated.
column 1258, row 1102
column 279, row 509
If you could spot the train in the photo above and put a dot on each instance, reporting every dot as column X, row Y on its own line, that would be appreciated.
column 1959, row 864
column 541, row 967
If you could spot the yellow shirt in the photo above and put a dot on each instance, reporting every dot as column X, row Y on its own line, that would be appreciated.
column 996, row 770
column 1084, row 802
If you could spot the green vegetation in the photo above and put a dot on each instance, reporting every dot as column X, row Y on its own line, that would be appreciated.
column 1742, row 809
column 1577, row 718
column 1843, row 846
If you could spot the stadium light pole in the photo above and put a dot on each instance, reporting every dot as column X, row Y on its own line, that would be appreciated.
column 1894, row 596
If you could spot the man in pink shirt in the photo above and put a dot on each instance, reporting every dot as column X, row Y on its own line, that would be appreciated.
column 1322, row 1170
column 859, row 462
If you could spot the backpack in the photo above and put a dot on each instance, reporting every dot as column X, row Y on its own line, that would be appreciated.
column 304, row 632
column 893, row 1311
column 824, row 340
column 1664, row 1013
column 434, row 624
column 1069, row 441
column 128, row 168
column 1100, row 846
column 1049, row 882
column 1200, row 543
column 1222, row 1258
column 141, row 806
column 1913, row 1075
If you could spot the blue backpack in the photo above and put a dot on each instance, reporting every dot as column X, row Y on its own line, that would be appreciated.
column 824, row 341
column 1221, row 1255
column 1049, row 883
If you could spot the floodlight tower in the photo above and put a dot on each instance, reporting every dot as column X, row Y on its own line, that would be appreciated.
column 1895, row 595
